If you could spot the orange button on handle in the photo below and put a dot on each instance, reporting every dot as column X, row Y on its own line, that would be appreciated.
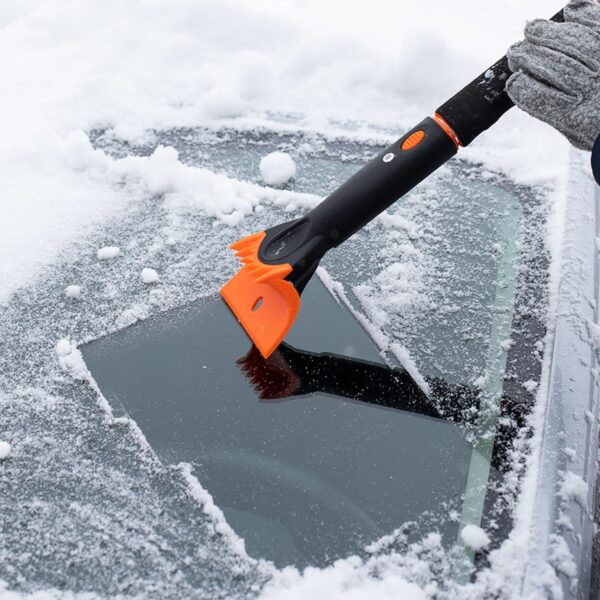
column 413, row 140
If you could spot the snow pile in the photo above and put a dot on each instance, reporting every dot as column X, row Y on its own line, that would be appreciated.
column 180, row 187
column 594, row 335
column 561, row 556
column 406, row 360
column 108, row 252
column 394, row 575
column 73, row 291
column 63, row 347
column 530, row 385
column 277, row 168
column 343, row 581
column 474, row 537
column 149, row 275
column 70, row 359
column 200, row 495
column 574, row 488
column 133, row 314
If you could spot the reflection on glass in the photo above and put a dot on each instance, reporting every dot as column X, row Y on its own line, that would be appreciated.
column 290, row 372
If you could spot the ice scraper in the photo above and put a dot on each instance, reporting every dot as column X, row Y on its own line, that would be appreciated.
column 278, row 262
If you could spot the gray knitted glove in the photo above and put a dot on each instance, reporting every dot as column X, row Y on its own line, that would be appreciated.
column 556, row 72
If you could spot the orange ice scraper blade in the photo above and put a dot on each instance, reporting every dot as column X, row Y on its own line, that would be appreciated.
column 264, row 303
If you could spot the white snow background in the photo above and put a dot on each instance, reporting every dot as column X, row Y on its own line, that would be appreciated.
column 368, row 69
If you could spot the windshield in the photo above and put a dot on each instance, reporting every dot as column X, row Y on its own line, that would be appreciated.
column 316, row 454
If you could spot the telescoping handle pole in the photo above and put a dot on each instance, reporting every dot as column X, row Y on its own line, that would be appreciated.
column 415, row 156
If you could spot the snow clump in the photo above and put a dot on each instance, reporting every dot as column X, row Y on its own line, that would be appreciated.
column 73, row 291
column 149, row 275
column 277, row 168
column 475, row 537
column 108, row 252
column 4, row 450
column 574, row 488
column 71, row 360
column 63, row 347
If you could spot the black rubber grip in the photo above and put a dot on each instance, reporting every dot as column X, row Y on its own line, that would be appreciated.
column 482, row 102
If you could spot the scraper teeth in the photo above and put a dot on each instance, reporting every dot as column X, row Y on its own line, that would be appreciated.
column 246, row 251
column 249, row 241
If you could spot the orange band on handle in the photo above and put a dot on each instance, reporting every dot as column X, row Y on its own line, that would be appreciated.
column 442, row 123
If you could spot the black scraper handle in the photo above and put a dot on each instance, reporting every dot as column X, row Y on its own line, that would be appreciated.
column 397, row 170
column 392, row 174
column 482, row 102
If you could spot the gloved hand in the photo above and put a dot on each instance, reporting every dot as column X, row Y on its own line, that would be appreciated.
column 556, row 72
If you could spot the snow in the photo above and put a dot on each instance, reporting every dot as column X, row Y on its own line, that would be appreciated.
column 187, row 187
column 131, row 315
column 70, row 359
column 574, row 488
column 561, row 556
column 149, row 275
column 73, row 291
column 277, row 168
column 480, row 382
column 385, row 575
column 63, row 347
column 200, row 495
column 406, row 360
column 474, row 537
column 48, row 594
column 5, row 449
column 108, row 252
column 594, row 335
column 73, row 364
column 339, row 582
column 338, row 292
